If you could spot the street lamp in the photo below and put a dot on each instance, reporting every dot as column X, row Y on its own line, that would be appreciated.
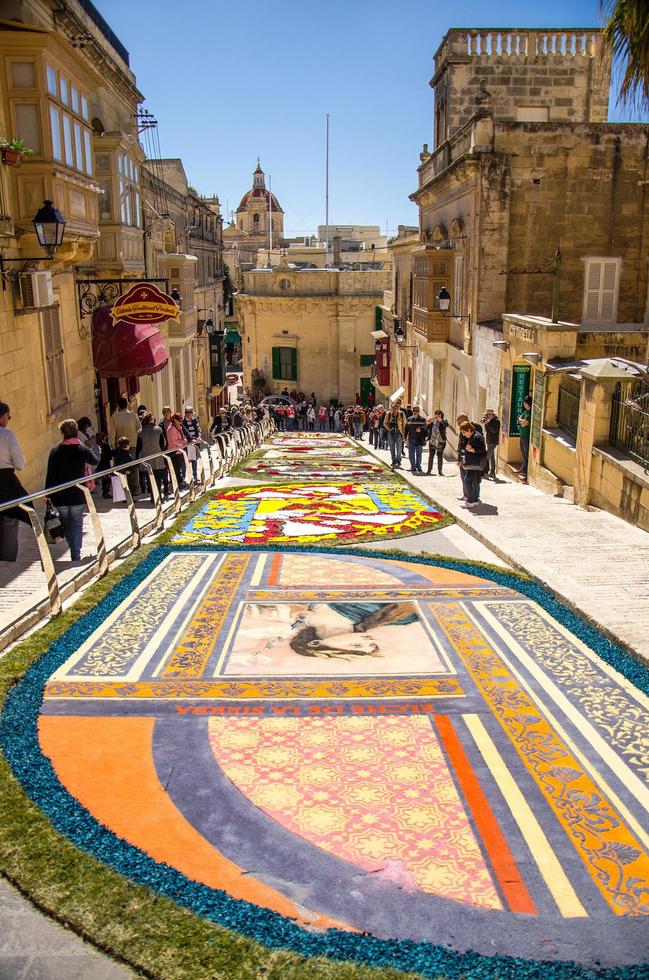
column 207, row 324
column 400, row 336
column 49, row 225
column 443, row 300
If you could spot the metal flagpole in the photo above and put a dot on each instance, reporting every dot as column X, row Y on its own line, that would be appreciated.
column 327, row 192
column 270, row 217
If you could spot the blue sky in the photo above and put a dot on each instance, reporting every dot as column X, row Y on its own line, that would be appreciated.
column 230, row 81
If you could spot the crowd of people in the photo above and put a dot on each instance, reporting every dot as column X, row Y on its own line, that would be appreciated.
column 400, row 428
column 82, row 451
column 138, row 435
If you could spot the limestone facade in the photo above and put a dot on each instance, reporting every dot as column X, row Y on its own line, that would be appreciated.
column 310, row 330
column 56, row 91
column 76, row 107
column 524, row 163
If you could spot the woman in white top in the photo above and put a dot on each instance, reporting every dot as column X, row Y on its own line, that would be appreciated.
column 11, row 459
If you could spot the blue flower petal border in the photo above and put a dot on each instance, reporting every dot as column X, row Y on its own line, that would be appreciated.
column 19, row 742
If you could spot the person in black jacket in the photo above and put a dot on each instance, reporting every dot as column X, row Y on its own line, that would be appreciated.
column 70, row 460
column 491, row 424
column 474, row 453
column 461, row 443
column 437, row 427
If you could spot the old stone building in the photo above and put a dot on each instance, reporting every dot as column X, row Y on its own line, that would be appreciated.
column 185, row 247
column 74, row 107
column 524, row 164
column 310, row 329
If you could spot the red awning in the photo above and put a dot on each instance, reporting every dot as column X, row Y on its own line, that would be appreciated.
column 123, row 350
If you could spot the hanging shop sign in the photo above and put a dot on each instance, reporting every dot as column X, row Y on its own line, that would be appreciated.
column 144, row 303
column 520, row 388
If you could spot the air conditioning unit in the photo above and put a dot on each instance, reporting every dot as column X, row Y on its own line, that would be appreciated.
column 36, row 289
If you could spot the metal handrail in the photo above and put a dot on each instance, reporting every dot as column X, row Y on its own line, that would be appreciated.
column 100, row 474
column 231, row 450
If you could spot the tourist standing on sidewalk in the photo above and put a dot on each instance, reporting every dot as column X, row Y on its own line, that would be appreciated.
column 474, row 453
column 177, row 441
column 524, row 425
column 437, row 427
column 310, row 418
column 461, row 442
column 358, row 422
column 416, row 432
column 125, row 424
column 194, row 437
column 491, row 424
column 86, row 431
column 68, row 461
column 11, row 459
column 395, row 425
column 151, row 440
column 105, row 462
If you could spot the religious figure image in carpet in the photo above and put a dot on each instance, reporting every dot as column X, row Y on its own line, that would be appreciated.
column 320, row 637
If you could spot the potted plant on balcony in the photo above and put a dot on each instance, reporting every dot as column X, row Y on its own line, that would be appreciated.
column 14, row 151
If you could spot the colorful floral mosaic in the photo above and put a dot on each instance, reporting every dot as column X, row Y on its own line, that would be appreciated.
column 366, row 754
column 314, row 467
column 301, row 513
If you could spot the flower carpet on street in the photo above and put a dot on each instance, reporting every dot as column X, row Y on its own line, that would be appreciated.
column 307, row 513
column 395, row 762
column 316, row 467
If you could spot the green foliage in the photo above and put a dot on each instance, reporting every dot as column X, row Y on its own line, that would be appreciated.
column 19, row 146
column 626, row 40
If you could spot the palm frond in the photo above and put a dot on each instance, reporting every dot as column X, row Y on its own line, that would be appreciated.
column 626, row 39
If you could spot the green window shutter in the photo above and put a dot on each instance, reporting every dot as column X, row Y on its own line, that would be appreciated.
column 367, row 359
column 293, row 364
column 378, row 318
column 277, row 370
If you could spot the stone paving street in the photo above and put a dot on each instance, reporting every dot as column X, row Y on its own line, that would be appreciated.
column 33, row 947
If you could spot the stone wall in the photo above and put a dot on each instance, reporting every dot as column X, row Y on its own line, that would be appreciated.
column 558, row 75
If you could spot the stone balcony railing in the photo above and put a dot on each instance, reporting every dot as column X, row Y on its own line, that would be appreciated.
column 513, row 42
column 477, row 132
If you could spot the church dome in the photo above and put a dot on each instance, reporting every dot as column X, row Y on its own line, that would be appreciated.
column 258, row 193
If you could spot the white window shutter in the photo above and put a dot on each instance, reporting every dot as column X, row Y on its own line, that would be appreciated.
column 608, row 291
column 593, row 280
column 600, row 294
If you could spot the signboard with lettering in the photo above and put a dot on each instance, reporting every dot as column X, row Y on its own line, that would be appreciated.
column 520, row 388
column 507, row 393
column 537, row 409
column 144, row 303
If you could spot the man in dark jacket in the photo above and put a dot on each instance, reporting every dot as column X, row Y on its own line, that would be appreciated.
column 416, row 433
column 491, row 424
column 68, row 461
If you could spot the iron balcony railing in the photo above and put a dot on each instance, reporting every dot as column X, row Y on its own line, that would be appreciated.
column 219, row 454
column 568, row 409
column 629, row 432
